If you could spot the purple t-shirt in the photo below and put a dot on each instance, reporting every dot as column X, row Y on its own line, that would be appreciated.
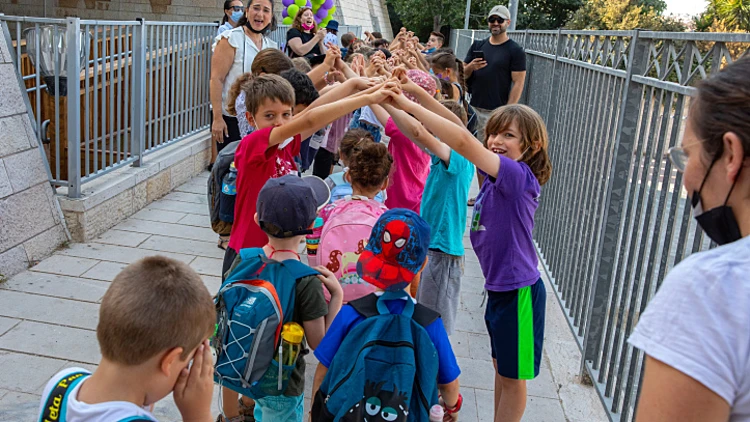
column 501, row 227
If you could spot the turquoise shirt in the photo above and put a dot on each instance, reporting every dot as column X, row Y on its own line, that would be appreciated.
column 444, row 202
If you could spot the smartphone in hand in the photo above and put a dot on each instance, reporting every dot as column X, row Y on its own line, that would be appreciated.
column 479, row 54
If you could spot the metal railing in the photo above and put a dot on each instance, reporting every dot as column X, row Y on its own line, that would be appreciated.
column 279, row 35
column 614, row 218
column 140, row 87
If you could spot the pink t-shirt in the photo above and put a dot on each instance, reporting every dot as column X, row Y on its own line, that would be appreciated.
column 411, row 166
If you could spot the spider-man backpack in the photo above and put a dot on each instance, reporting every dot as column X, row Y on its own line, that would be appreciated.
column 385, row 369
column 343, row 239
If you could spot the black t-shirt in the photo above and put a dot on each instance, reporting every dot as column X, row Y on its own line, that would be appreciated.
column 296, row 33
column 490, row 86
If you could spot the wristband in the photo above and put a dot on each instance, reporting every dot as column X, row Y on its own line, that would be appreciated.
column 455, row 408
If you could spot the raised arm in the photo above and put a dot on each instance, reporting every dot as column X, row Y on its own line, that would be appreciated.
column 455, row 136
column 425, row 99
column 346, row 89
column 416, row 133
column 318, row 74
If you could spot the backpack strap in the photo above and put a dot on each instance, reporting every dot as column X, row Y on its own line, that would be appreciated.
column 136, row 419
column 56, row 404
column 297, row 269
column 367, row 306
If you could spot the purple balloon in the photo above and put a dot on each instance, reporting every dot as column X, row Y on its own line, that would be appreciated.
column 287, row 2
column 328, row 4
column 284, row 13
column 308, row 4
column 322, row 13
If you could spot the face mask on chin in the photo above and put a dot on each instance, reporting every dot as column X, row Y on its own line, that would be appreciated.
column 308, row 27
column 719, row 223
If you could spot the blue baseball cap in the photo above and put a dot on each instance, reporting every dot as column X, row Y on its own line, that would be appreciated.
column 332, row 24
column 288, row 205
column 396, row 251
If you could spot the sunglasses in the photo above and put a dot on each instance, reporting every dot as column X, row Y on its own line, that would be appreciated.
column 238, row 8
column 495, row 19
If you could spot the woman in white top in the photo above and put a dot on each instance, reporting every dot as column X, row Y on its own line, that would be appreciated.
column 233, row 12
column 233, row 54
column 696, row 331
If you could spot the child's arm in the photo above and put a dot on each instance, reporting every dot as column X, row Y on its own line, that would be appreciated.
column 424, row 98
column 338, row 92
column 337, row 294
column 317, row 75
column 320, row 374
column 309, row 122
column 414, row 130
column 449, row 393
column 380, row 114
column 455, row 136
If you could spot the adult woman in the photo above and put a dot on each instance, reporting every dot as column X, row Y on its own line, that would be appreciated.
column 233, row 12
column 304, row 39
column 696, row 330
column 234, row 51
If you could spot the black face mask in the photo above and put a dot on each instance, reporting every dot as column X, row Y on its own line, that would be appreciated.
column 262, row 31
column 719, row 223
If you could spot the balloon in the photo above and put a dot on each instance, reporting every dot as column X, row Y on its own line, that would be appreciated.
column 287, row 3
column 300, row 3
column 322, row 14
column 288, row 20
column 308, row 4
column 315, row 8
column 331, row 11
column 328, row 4
column 292, row 11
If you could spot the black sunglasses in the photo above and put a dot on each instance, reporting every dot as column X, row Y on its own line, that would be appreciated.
column 495, row 19
column 238, row 8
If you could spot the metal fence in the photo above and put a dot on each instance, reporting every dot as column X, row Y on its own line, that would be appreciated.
column 614, row 219
column 141, row 86
column 132, row 87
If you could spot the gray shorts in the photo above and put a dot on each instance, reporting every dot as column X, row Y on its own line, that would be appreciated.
column 440, row 286
column 483, row 115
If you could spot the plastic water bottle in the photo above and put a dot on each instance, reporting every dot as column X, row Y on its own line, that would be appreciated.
column 228, row 195
column 437, row 413
column 291, row 343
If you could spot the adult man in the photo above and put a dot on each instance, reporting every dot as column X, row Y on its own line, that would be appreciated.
column 435, row 41
column 497, row 78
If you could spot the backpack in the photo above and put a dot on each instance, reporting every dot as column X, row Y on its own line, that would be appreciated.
column 220, row 169
column 56, row 404
column 252, row 305
column 471, row 115
column 343, row 238
column 387, row 365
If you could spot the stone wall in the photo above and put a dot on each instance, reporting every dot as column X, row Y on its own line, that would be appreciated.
column 31, row 223
column 372, row 15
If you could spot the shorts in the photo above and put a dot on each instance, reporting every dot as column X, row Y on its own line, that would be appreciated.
column 233, row 129
column 229, row 256
column 440, row 286
column 279, row 409
column 483, row 115
column 515, row 322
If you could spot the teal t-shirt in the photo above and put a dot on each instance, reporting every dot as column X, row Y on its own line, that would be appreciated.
column 444, row 202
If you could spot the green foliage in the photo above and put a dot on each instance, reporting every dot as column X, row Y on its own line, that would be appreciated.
column 732, row 15
column 623, row 15
column 423, row 16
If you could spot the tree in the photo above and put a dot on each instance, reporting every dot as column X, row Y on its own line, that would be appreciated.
column 623, row 15
column 423, row 16
column 732, row 15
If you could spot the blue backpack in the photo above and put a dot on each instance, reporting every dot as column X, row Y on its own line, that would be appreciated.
column 387, row 366
column 252, row 305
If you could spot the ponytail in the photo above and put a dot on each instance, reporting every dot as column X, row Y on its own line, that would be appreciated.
column 462, row 83
column 227, row 6
column 240, row 84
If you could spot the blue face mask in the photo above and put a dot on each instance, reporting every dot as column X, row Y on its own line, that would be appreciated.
column 236, row 16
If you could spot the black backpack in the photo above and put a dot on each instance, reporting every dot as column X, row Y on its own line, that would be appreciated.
column 220, row 169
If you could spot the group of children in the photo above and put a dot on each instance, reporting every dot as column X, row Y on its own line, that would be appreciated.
column 384, row 239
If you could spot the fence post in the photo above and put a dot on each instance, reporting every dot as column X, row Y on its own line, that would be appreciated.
column 138, row 140
column 614, row 205
column 554, row 97
column 73, row 72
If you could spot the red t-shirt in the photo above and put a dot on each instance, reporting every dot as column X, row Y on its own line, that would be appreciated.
column 256, row 163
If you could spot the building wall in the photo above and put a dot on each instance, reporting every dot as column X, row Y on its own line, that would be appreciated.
column 372, row 15
column 31, row 223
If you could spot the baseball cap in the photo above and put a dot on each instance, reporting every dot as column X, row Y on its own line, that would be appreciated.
column 332, row 24
column 395, row 251
column 288, row 205
column 501, row 11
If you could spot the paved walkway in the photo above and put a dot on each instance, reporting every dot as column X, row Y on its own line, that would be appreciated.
column 48, row 315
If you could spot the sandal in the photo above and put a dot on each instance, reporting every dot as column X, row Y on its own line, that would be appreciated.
column 471, row 201
column 223, row 242
column 248, row 412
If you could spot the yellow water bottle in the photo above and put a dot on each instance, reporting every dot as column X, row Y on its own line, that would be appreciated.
column 291, row 343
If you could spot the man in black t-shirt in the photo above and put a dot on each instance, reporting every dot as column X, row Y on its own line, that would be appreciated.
column 498, row 78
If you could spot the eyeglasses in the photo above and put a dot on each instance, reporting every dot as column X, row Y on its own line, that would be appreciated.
column 678, row 158
column 238, row 8
column 495, row 19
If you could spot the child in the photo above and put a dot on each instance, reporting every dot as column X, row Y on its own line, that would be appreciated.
column 351, row 144
column 445, row 192
column 286, row 226
column 394, row 257
column 446, row 66
column 155, row 318
column 343, row 227
column 516, row 165
column 270, row 150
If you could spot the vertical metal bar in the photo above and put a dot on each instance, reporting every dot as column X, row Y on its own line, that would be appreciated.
column 164, row 86
column 169, row 92
column 56, row 79
column 87, row 110
column 112, row 128
column 104, row 92
column 613, row 213
column 139, row 92
column 151, row 95
column 127, row 91
column 73, row 65
column 95, row 104
column 38, row 95
column 119, row 81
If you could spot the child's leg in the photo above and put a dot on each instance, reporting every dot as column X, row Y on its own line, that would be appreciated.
column 512, row 400
column 229, row 403
column 440, row 286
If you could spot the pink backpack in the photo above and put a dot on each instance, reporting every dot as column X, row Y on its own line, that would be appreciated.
column 344, row 236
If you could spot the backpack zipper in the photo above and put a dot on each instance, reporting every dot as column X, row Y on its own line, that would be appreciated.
column 422, row 398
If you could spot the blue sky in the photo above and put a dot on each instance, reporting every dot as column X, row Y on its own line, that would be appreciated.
column 681, row 7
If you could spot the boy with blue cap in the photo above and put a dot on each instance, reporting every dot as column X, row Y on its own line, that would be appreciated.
column 394, row 257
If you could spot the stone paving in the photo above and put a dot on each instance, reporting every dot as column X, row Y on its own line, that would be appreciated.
column 48, row 315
